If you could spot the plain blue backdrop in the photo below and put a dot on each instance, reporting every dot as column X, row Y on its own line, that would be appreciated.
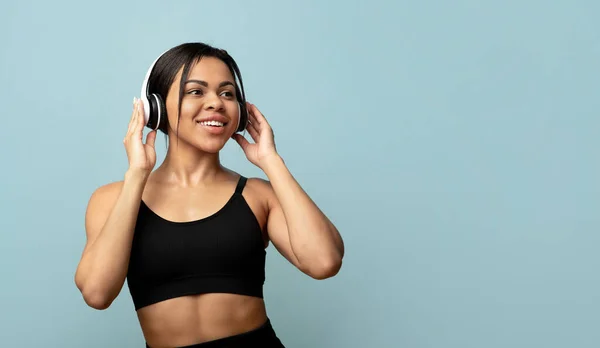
column 453, row 143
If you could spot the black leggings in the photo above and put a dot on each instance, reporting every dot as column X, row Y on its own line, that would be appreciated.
column 263, row 337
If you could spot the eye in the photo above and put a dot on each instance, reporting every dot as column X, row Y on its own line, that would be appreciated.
column 195, row 92
column 227, row 94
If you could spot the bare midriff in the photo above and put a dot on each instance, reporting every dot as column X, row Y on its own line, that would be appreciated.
column 199, row 318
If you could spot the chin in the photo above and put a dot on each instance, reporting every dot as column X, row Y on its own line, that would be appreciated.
column 209, row 142
column 212, row 146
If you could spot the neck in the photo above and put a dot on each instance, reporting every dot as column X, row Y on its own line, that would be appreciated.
column 187, row 166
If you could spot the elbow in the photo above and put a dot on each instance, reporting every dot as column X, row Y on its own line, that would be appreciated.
column 325, row 269
column 93, row 297
column 97, row 299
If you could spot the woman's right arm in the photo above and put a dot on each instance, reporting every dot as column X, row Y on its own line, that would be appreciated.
column 110, row 221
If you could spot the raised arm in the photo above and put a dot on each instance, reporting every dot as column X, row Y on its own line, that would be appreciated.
column 296, row 226
column 110, row 221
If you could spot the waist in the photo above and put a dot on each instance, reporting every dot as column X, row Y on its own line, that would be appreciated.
column 200, row 318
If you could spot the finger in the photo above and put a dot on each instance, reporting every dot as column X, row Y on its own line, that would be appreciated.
column 134, row 116
column 253, row 133
column 241, row 141
column 136, row 131
column 257, row 114
column 253, row 124
column 131, row 120
column 258, row 119
column 141, row 118
column 251, row 114
column 151, row 138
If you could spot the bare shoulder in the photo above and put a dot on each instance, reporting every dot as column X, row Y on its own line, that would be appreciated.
column 261, row 188
column 259, row 195
column 259, row 183
column 104, row 195
column 99, row 206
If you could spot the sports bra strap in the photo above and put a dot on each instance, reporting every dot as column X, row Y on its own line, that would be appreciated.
column 240, row 185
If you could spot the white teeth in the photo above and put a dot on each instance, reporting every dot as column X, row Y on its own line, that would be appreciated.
column 212, row 123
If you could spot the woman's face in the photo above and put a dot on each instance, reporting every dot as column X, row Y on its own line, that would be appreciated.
column 209, row 108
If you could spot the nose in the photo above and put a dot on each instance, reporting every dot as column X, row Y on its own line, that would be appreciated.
column 213, row 102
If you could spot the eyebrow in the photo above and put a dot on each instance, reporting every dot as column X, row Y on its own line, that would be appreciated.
column 205, row 84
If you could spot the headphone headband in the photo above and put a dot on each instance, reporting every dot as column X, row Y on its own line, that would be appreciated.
column 144, row 95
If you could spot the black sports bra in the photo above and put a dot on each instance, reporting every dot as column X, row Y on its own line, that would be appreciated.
column 223, row 253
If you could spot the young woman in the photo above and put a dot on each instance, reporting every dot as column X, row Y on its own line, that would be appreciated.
column 190, row 236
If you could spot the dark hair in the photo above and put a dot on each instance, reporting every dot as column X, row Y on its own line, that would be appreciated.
column 184, row 55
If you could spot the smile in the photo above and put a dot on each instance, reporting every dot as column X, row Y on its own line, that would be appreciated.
column 211, row 123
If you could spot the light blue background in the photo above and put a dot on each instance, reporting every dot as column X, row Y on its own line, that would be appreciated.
column 454, row 144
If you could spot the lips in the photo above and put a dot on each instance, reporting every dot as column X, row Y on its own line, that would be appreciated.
column 215, row 120
column 212, row 124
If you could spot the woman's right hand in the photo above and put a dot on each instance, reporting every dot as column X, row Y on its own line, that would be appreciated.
column 142, row 157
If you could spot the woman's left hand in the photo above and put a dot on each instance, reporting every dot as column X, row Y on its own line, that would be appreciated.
column 259, row 129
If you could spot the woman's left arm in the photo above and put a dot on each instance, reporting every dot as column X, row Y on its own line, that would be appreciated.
column 295, row 224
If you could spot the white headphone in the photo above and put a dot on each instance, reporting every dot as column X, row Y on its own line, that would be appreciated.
column 153, row 105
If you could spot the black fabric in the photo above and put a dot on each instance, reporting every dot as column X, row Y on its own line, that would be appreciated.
column 223, row 252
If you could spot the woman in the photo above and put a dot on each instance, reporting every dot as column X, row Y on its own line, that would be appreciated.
column 190, row 236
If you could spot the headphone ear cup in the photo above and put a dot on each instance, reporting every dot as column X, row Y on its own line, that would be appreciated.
column 158, row 111
column 163, row 111
column 243, row 119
